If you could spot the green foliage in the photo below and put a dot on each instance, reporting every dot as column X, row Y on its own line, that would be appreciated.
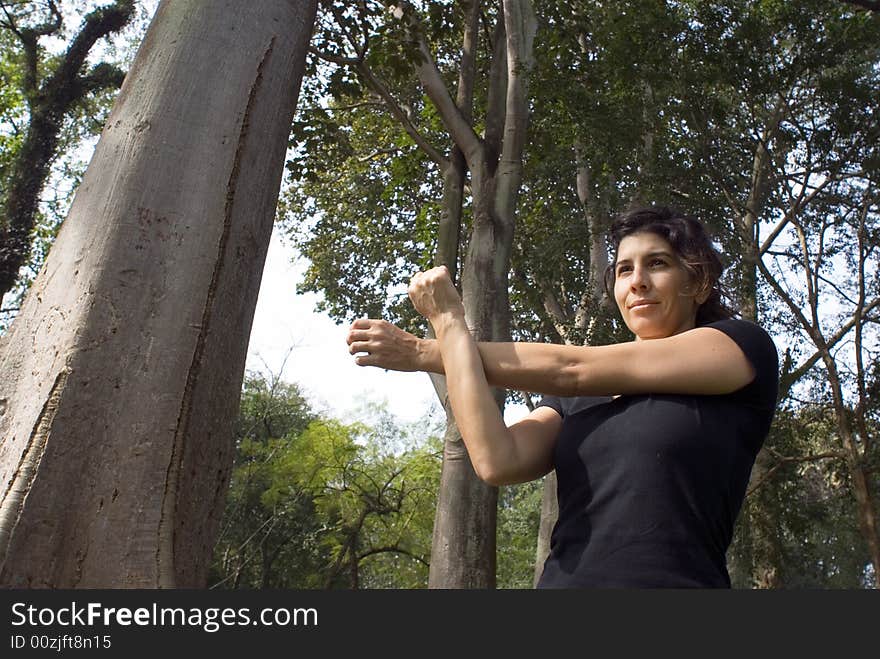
column 519, row 516
column 814, row 516
column 663, row 101
column 364, row 201
column 318, row 503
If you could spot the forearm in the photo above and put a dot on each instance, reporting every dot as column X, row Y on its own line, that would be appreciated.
column 540, row 367
column 487, row 438
column 701, row 361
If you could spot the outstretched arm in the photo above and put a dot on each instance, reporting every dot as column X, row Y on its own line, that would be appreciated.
column 700, row 361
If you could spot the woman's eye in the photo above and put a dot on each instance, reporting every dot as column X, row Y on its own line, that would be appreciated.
column 658, row 262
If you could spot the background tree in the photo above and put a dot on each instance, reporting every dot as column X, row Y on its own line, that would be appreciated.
column 778, row 101
column 315, row 503
column 260, row 547
column 54, row 103
column 742, row 113
column 402, row 59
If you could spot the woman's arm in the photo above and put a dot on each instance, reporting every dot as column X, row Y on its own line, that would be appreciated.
column 700, row 361
column 499, row 454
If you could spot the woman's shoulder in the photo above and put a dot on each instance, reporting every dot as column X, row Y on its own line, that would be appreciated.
column 750, row 336
column 759, row 348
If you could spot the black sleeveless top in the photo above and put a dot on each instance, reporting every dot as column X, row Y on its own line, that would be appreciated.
column 650, row 486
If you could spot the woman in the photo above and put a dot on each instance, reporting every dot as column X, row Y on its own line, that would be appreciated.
column 652, row 440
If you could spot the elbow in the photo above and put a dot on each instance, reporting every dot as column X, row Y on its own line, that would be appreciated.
column 493, row 478
column 490, row 474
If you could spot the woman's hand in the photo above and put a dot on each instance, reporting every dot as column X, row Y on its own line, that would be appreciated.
column 387, row 346
column 379, row 343
column 433, row 295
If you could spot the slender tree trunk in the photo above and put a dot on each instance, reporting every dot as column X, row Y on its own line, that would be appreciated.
column 866, row 514
column 758, row 515
column 463, row 547
column 549, row 515
column 590, row 318
column 120, row 378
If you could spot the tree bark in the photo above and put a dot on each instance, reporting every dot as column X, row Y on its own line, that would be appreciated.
column 549, row 515
column 766, row 552
column 120, row 378
column 463, row 547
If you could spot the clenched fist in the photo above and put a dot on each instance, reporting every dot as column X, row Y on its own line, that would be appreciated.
column 433, row 294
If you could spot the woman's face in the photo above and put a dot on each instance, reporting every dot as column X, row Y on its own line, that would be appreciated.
column 654, row 292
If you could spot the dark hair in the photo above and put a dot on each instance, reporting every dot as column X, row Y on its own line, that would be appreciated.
column 691, row 242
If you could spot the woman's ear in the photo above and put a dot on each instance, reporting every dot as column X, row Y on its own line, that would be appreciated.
column 703, row 295
column 697, row 290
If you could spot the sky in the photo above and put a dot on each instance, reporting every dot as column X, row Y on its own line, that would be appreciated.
column 317, row 359
column 287, row 325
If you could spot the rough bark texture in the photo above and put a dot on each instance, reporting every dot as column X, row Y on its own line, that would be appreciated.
column 549, row 515
column 757, row 513
column 120, row 378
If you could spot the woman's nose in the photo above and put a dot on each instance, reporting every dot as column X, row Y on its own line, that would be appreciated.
column 638, row 278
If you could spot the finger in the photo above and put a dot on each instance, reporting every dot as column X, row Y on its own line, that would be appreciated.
column 362, row 323
column 357, row 335
column 359, row 346
column 366, row 360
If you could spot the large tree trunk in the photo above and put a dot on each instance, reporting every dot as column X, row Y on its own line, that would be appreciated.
column 120, row 378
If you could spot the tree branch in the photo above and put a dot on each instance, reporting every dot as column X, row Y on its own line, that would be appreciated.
column 102, row 76
column 392, row 549
column 862, row 236
column 784, row 460
column 334, row 59
column 494, row 130
column 373, row 82
column 376, row 154
column 520, row 25
column 459, row 128
column 787, row 382
column 52, row 25
column 97, row 25
column 870, row 5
